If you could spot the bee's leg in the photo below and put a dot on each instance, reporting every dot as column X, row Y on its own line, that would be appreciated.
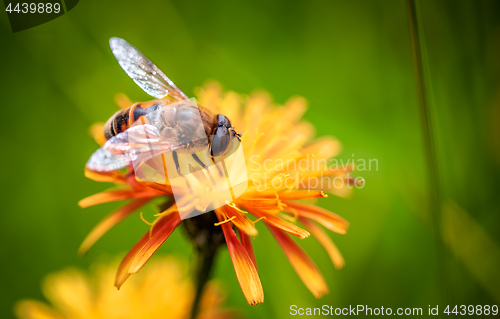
column 218, row 168
column 178, row 168
column 198, row 160
column 176, row 161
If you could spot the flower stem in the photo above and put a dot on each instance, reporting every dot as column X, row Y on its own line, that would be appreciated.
column 204, row 263
column 206, row 238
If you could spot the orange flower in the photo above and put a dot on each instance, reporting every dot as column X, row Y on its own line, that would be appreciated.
column 283, row 167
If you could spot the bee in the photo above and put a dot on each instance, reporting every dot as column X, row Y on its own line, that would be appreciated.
column 169, row 124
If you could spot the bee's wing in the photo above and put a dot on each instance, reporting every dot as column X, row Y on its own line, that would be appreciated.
column 138, row 143
column 144, row 73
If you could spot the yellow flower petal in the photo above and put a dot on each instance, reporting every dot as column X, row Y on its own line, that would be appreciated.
column 31, row 309
column 70, row 293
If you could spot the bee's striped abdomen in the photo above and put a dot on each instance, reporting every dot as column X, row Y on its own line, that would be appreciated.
column 141, row 109
column 123, row 119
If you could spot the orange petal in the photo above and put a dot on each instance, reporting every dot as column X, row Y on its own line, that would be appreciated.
column 240, row 221
column 122, row 274
column 105, row 197
column 230, row 107
column 218, row 314
column 281, row 223
column 255, row 106
column 327, row 219
column 324, row 147
column 123, row 270
column 243, row 267
column 270, row 205
column 296, row 138
column 161, row 232
column 109, row 222
column 247, row 243
column 213, row 296
column 325, row 241
column 111, row 177
column 339, row 171
column 122, row 101
column 210, row 95
column 294, row 108
column 97, row 132
column 115, row 195
column 164, row 188
column 301, row 195
column 303, row 265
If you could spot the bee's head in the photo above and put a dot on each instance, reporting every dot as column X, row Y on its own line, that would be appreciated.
column 222, row 136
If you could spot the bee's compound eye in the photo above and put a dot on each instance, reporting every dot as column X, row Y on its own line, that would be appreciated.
column 223, row 121
column 221, row 139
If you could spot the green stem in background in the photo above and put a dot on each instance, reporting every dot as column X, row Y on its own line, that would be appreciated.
column 435, row 191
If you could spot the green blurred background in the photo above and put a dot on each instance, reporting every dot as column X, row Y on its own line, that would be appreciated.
column 351, row 59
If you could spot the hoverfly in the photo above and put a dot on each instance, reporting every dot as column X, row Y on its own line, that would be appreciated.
column 169, row 124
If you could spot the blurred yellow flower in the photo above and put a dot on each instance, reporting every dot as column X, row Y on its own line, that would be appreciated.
column 284, row 165
column 161, row 291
